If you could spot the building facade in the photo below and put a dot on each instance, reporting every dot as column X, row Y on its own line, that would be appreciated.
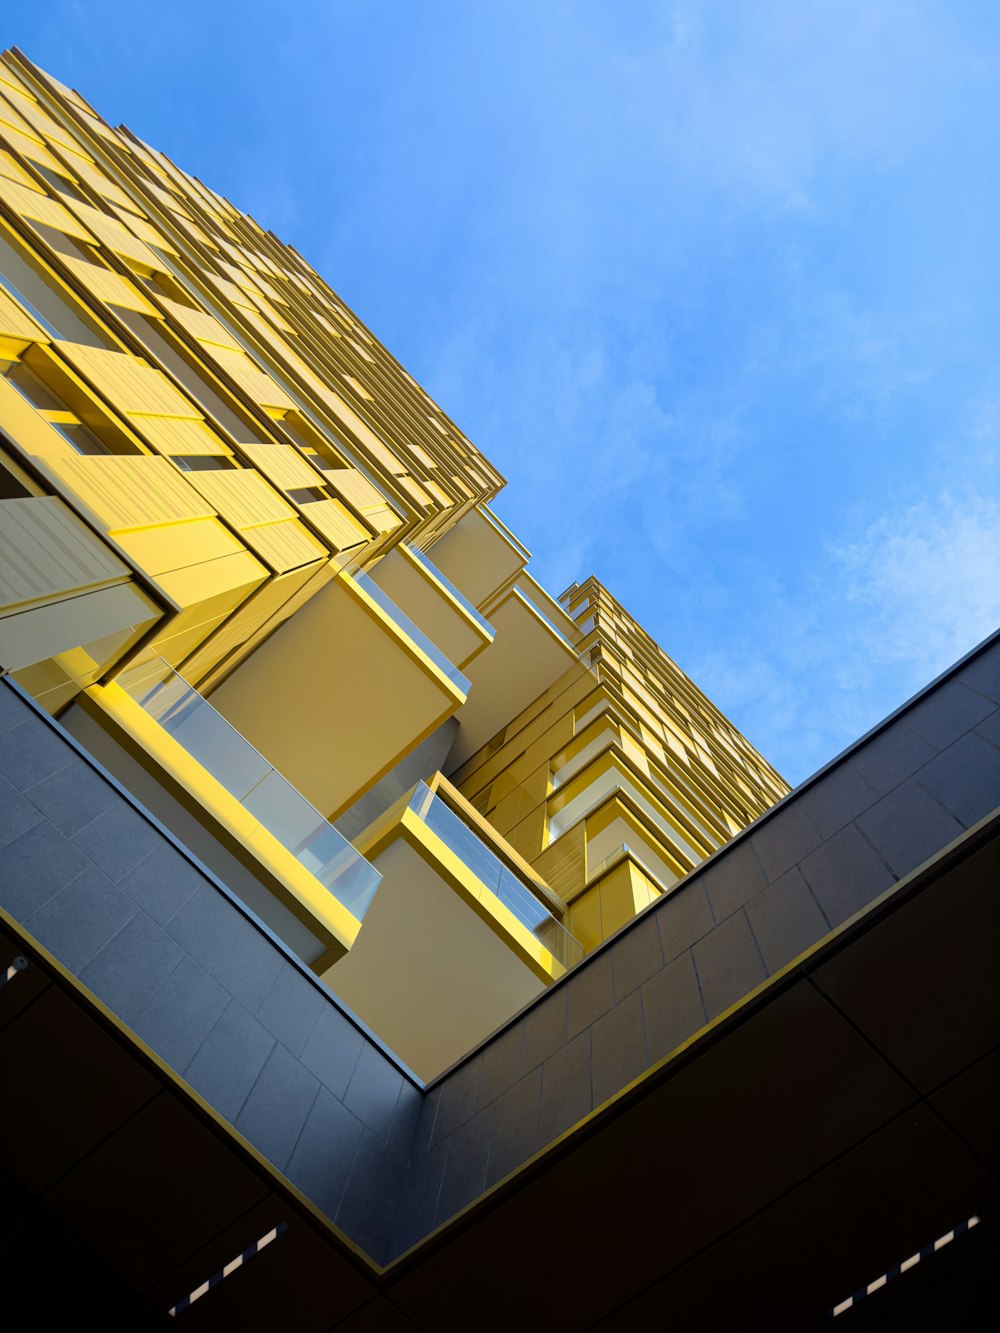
column 379, row 877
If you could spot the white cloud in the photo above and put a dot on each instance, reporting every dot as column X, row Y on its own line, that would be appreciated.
column 926, row 581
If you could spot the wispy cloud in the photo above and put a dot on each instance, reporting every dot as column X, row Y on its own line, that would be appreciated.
column 824, row 655
column 926, row 582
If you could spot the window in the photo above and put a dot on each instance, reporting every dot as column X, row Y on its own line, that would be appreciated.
column 51, row 409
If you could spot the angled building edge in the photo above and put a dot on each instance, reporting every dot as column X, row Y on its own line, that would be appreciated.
column 383, row 931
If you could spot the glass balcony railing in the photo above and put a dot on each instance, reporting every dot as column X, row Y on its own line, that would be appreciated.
column 495, row 876
column 545, row 619
column 281, row 810
column 406, row 625
column 459, row 597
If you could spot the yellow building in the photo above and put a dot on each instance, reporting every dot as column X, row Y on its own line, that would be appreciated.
column 364, row 904
column 252, row 567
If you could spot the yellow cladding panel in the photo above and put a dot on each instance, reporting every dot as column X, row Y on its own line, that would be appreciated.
column 117, row 237
column 128, row 383
column 177, row 546
column 584, row 920
column 440, row 495
column 101, row 184
column 386, row 697
column 108, row 286
column 85, row 630
column 229, row 579
column 14, row 323
column 242, row 497
column 383, row 519
column 33, row 150
column 283, row 465
column 131, row 491
column 414, row 490
column 145, row 231
column 40, row 208
column 258, row 386
column 46, row 551
column 284, row 546
column 385, row 456
column 180, row 436
column 29, row 431
column 44, row 127
column 13, row 171
column 265, row 522
column 355, row 487
column 339, row 527
column 200, row 325
column 11, row 119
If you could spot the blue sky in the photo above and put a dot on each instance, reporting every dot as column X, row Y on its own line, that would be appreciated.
column 714, row 285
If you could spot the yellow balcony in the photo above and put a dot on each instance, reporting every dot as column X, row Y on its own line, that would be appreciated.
column 342, row 692
column 312, row 869
column 445, row 615
column 460, row 936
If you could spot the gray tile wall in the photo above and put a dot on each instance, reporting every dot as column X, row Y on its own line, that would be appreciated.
column 122, row 907
column 167, row 950
column 886, row 806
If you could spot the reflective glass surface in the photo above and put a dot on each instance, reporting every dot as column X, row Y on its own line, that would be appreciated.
column 495, row 876
column 283, row 811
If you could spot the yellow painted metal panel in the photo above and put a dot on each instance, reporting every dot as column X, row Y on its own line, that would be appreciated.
column 82, row 633
column 177, row 436
column 129, row 492
column 128, row 383
column 29, row 431
column 337, row 525
column 383, row 519
column 174, row 546
column 32, row 150
column 15, row 323
column 145, row 231
column 269, row 605
column 101, row 184
column 439, row 494
column 46, row 551
column 242, row 497
column 13, row 171
column 385, row 456
column 231, row 578
column 11, row 119
column 414, row 490
column 268, row 525
column 44, row 127
column 108, row 286
column 255, row 383
column 284, row 546
column 355, row 487
column 303, row 893
column 283, row 465
column 201, row 325
column 116, row 236
column 40, row 208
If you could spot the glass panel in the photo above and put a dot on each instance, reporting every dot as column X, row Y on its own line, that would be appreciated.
column 230, row 758
column 495, row 876
column 411, row 631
